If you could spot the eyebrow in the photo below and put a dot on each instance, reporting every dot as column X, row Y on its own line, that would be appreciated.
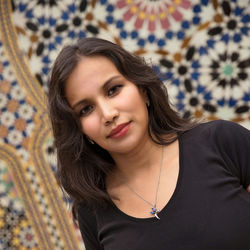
column 104, row 86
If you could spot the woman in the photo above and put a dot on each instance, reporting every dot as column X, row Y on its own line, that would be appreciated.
column 140, row 176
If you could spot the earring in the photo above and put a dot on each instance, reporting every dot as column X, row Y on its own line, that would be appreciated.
column 148, row 103
column 90, row 141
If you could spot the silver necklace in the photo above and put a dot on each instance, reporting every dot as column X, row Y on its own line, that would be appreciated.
column 154, row 211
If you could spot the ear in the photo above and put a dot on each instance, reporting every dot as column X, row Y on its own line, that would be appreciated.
column 144, row 94
column 145, row 97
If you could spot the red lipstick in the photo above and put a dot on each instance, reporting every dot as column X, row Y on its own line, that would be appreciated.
column 120, row 130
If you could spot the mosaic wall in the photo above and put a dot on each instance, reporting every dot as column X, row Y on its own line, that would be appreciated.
column 200, row 49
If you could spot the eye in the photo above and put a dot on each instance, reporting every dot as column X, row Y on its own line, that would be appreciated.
column 86, row 110
column 114, row 90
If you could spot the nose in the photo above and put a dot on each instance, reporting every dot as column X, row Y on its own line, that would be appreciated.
column 108, row 111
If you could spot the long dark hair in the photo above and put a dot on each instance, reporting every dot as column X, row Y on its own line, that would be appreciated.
column 82, row 166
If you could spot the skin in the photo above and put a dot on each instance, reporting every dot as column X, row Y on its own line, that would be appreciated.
column 104, row 99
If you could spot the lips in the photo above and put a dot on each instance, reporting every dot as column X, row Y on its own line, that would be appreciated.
column 120, row 130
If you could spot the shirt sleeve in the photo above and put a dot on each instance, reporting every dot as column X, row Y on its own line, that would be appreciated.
column 234, row 144
column 88, row 227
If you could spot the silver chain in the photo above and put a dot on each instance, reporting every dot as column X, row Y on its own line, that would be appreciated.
column 157, row 187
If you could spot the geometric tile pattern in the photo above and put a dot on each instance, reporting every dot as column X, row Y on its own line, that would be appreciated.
column 15, row 228
column 199, row 48
column 41, row 198
column 25, row 151
column 16, row 112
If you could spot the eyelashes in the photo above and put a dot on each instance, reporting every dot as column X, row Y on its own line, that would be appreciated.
column 86, row 110
column 111, row 92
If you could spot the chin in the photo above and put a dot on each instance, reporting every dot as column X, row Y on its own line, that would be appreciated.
column 125, row 148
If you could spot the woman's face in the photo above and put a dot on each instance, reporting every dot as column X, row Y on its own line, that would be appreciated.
column 111, row 109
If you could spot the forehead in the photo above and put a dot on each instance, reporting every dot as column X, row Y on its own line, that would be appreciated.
column 92, row 67
column 88, row 75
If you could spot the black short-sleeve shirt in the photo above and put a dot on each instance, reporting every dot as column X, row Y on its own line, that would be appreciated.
column 209, row 209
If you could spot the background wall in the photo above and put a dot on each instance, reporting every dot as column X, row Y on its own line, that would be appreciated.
column 200, row 49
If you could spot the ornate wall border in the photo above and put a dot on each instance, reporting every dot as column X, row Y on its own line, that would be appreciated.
column 43, row 172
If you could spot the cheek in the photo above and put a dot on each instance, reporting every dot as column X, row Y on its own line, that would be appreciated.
column 134, row 99
column 138, row 102
column 90, row 126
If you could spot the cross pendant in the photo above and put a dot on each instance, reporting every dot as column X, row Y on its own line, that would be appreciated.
column 155, row 212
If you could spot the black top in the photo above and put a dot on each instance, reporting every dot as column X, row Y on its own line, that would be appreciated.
column 210, row 208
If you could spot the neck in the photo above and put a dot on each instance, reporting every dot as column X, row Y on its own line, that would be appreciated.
column 143, row 159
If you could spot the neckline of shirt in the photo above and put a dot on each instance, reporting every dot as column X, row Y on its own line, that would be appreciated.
column 163, row 213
